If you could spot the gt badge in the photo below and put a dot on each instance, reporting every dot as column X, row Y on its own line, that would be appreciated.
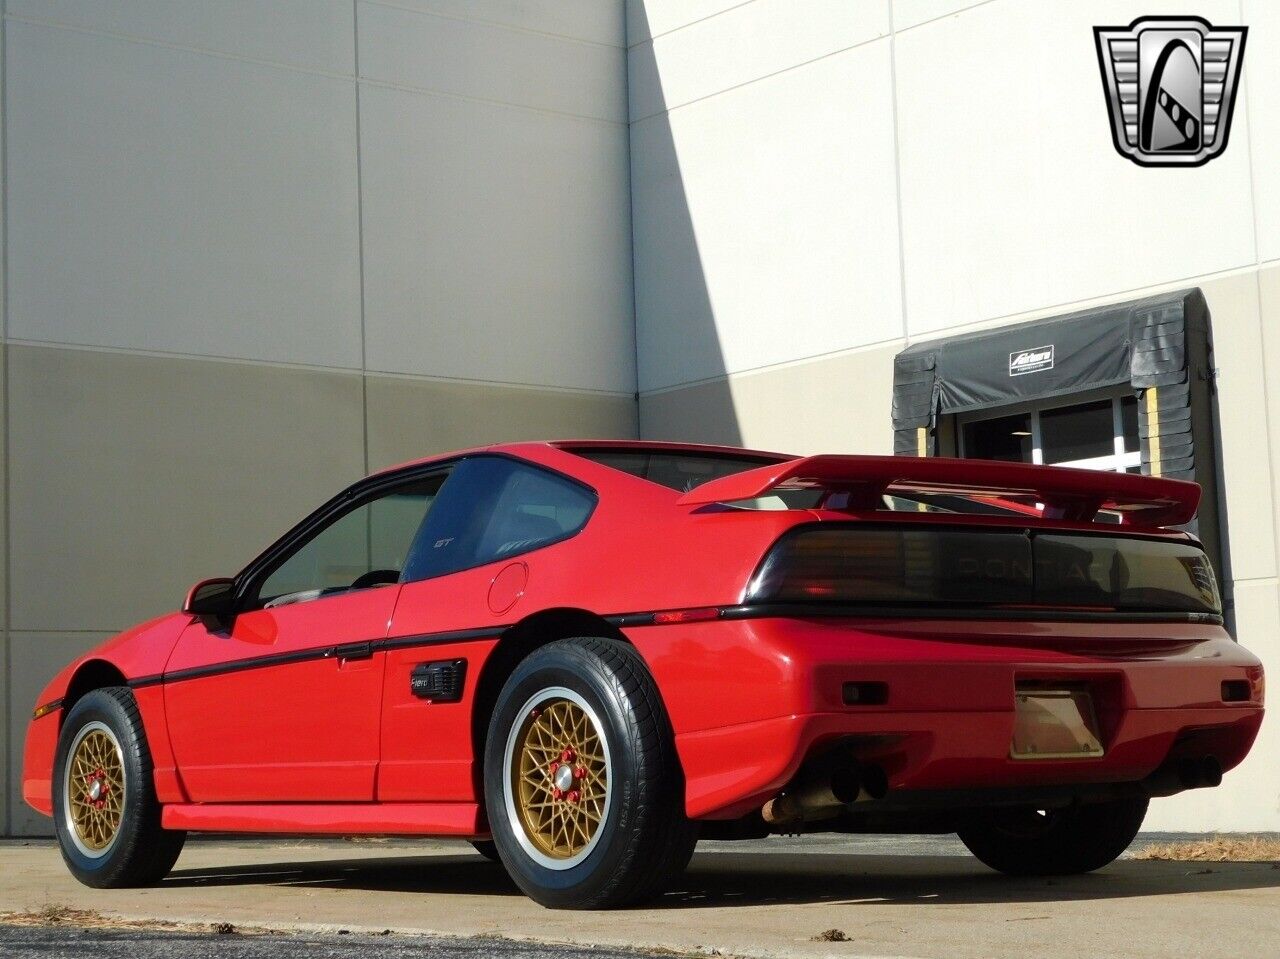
column 1170, row 84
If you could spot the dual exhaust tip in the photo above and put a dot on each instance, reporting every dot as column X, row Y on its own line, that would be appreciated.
column 825, row 795
column 1177, row 775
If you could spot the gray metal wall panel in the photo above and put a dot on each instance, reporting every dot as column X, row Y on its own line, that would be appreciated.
column 160, row 199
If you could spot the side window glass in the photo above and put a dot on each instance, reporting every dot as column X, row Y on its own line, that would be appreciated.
column 363, row 547
column 493, row 508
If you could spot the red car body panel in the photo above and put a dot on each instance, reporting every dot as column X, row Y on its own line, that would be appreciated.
column 299, row 731
column 951, row 686
column 285, row 723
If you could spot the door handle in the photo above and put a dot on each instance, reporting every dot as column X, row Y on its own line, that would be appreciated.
column 354, row 651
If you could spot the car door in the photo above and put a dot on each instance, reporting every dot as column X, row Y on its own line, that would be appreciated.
column 282, row 703
column 492, row 536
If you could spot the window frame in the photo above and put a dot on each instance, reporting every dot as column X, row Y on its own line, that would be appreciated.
column 252, row 576
column 249, row 581
column 1117, row 461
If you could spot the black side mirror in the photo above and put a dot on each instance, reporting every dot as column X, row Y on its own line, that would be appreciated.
column 211, row 597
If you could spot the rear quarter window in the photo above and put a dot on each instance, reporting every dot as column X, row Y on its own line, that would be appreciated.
column 493, row 508
column 674, row 470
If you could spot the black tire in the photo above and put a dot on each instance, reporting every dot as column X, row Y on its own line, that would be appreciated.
column 140, row 852
column 643, row 837
column 1028, row 842
column 487, row 849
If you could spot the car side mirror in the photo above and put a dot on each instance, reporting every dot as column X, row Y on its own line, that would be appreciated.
column 211, row 597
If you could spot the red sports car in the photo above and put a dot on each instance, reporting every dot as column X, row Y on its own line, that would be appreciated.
column 583, row 655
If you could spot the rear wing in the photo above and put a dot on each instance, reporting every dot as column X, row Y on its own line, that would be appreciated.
column 1069, row 494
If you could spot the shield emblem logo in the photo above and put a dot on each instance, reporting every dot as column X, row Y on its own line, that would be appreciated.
column 1170, row 84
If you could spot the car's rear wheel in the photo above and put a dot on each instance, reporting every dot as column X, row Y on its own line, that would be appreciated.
column 486, row 848
column 105, row 811
column 1044, row 842
column 582, row 784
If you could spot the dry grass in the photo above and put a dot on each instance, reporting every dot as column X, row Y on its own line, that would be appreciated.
column 831, row 935
column 1216, row 849
column 56, row 914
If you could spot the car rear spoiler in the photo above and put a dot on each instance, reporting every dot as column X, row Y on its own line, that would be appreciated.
column 1070, row 494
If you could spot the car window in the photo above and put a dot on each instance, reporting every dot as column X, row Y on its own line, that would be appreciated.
column 493, row 508
column 365, row 546
column 677, row 470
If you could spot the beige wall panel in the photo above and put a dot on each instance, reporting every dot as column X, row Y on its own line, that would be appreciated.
column 1260, row 93
column 10, row 755
column 1249, row 796
column 4, row 510
column 835, row 405
column 651, row 18
column 910, row 13
column 1268, row 281
column 314, row 34
column 466, row 58
column 497, row 243
column 1013, row 196
column 1244, row 447
column 595, row 21
column 36, row 658
column 703, row 413
column 138, row 475
column 746, row 43
column 410, row 418
column 752, row 249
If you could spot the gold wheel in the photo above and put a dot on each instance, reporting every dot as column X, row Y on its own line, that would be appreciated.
column 95, row 789
column 559, row 772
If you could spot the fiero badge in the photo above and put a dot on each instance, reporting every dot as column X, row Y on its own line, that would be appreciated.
column 1031, row 361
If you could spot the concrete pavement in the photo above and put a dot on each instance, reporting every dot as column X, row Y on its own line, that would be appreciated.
column 918, row 897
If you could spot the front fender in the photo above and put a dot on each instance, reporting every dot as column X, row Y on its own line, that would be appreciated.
column 137, row 652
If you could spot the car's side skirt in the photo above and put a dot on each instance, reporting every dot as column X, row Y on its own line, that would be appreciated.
column 402, row 819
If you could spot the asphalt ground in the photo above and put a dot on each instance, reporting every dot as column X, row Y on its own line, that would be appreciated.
column 807, row 897
column 67, row 942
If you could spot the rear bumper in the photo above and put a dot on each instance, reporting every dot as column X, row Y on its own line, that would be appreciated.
column 947, row 722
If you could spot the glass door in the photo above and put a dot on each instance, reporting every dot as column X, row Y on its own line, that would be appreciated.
column 1099, row 432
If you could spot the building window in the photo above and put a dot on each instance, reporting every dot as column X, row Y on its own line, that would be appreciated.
column 1100, row 433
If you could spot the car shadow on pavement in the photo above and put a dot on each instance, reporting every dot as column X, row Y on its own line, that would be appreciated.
column 464, row 874
column 729, row 878
column 723, row 878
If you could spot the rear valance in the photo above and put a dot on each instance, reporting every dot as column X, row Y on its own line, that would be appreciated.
column 1070, row 494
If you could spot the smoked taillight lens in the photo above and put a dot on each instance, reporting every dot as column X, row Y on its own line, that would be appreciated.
column 895, row 566
column 983, row 567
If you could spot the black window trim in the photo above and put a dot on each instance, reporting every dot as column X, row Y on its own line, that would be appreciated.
column 251, row 577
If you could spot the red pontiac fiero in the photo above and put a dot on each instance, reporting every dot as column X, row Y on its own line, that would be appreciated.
column 583, row 655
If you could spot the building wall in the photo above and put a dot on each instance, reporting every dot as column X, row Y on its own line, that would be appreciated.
column 257, row 249
column 253, row 250
column 813, row 192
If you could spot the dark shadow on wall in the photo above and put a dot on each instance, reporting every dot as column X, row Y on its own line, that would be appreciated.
column 669, row 280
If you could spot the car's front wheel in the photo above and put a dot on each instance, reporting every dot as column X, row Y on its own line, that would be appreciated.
column 1045, row 842
column 584, row 792
column 105, row 810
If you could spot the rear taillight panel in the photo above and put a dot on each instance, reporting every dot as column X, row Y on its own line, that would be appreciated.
column 938, row 566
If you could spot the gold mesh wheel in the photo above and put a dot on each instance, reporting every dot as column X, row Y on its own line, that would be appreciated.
column 559, row 774
column 95, row 789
